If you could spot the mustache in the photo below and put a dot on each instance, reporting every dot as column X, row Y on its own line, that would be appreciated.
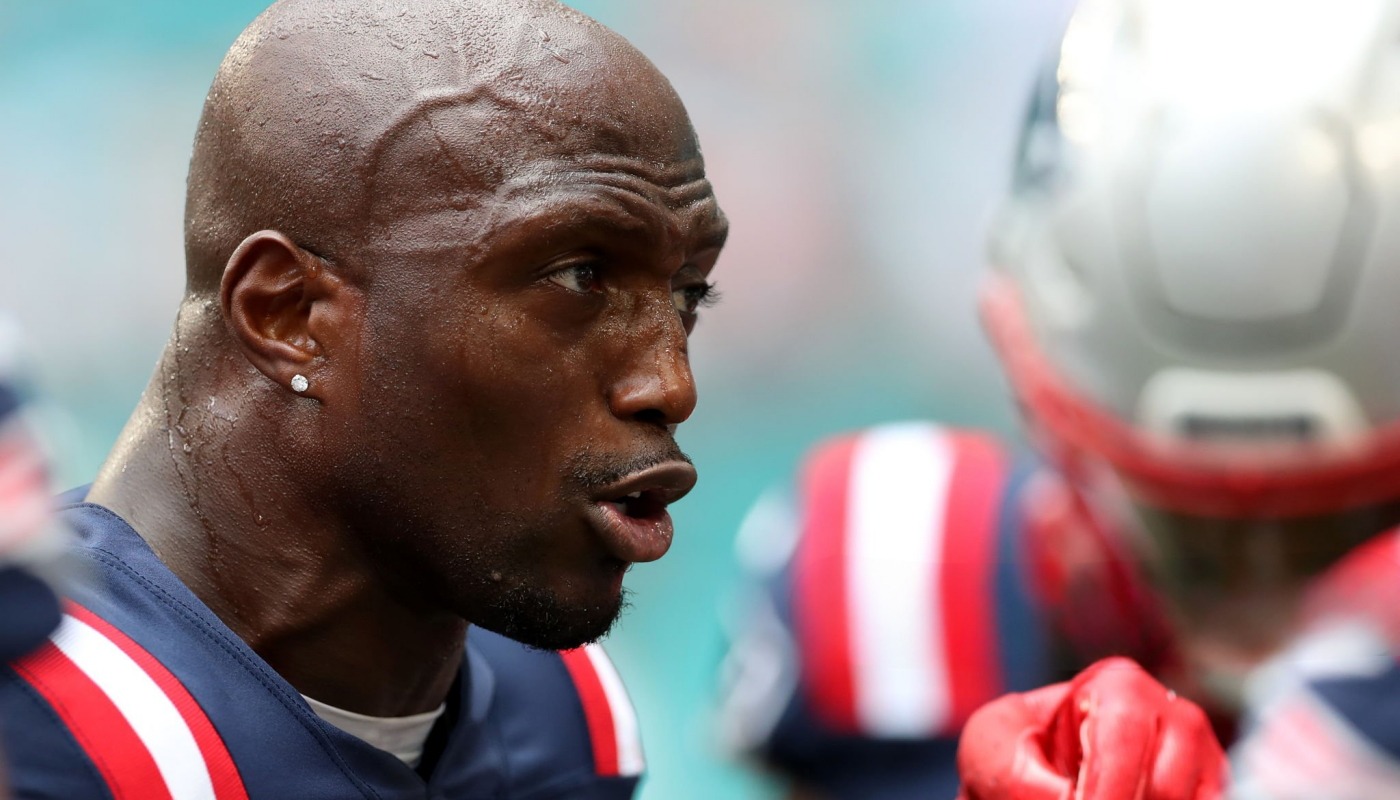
column 593, row 472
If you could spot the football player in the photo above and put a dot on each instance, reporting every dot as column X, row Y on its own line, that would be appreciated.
column 442, row 261
column 1189, row 294
column 30, row 543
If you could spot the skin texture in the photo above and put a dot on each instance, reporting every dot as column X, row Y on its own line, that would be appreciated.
column 481, row 232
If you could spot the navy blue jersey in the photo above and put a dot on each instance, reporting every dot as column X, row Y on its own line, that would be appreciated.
column 143, row 694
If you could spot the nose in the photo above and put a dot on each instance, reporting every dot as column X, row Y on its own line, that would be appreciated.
column 659, row 388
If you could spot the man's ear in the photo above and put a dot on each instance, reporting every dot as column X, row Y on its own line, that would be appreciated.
column 273, row 296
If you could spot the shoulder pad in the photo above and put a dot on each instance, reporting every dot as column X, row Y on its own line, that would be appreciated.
column 893, row 578
column 134, row 721
column 566, row 721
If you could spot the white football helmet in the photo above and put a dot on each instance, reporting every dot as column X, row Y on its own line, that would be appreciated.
column 1198, row 271
column 1196, row 291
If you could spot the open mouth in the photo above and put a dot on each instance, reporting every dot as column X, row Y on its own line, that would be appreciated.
column 641, row 505
column 630, row 516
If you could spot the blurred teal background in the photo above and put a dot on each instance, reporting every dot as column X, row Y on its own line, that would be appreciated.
column 858, row 148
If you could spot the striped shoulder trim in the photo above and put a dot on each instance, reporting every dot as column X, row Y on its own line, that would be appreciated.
column 1302, row 750
column 611, row 718
column 141, row 728
column 894, row 579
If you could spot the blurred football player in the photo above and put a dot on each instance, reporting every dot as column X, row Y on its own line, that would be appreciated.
column 1191, row 297
column 30, row 543
column 442, row 263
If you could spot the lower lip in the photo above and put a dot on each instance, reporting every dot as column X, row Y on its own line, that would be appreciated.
column 632, row 539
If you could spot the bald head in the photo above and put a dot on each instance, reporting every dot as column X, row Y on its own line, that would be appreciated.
column 349, row 124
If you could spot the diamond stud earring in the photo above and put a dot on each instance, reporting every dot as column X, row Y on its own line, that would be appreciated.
column 300, row 383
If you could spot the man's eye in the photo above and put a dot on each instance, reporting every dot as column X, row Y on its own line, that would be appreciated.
column 689, row 299
column 581, row 278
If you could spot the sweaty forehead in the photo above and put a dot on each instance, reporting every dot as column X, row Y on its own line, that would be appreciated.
column 586, row 108
column 339, row 116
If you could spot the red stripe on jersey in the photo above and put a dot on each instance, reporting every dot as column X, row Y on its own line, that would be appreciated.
column 597, row 712
column 820, row 614
column 967, row 591
column 24, row 492
column 223, row 774
column 95, row 723
column 21, row 467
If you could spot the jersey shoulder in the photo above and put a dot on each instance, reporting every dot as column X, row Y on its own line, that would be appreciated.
column 909, row 590
column 888, row 595
column 43, row 757
column 1325, row 720
column 567, row 727
column 145, row 688
column 101, row 717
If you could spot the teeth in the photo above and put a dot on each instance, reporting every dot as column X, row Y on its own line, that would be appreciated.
column 635, row 496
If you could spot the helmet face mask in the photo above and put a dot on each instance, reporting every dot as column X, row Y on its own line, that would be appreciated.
column 1232, row 587
column 1194, row 287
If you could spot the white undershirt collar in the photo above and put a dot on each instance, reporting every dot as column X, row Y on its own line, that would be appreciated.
column 404, row 737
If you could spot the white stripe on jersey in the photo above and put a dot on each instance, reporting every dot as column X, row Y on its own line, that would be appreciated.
column 894, row 523
column 630, row 760
column 151, row 714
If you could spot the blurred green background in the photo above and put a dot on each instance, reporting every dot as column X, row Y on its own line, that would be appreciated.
column 857, row 147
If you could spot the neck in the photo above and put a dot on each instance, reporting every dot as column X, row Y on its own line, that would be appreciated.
column 227, row 514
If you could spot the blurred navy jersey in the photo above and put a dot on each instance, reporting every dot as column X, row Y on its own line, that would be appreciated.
column 28, row 607
column 143, row 693
column 915, row 573
column 1325, row 715
column 891, row 597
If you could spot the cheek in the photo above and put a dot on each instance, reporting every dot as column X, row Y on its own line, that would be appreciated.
column 494, row 401
column 522, row 401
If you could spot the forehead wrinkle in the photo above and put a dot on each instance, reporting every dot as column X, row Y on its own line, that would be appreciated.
column 614, row 212
column 674, row 173
column 676, row 193
column 687, row 214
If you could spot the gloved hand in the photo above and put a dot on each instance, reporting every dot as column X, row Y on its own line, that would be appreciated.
column 1113, row 733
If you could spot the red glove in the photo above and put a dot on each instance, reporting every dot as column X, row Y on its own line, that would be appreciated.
column 1113, row 733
